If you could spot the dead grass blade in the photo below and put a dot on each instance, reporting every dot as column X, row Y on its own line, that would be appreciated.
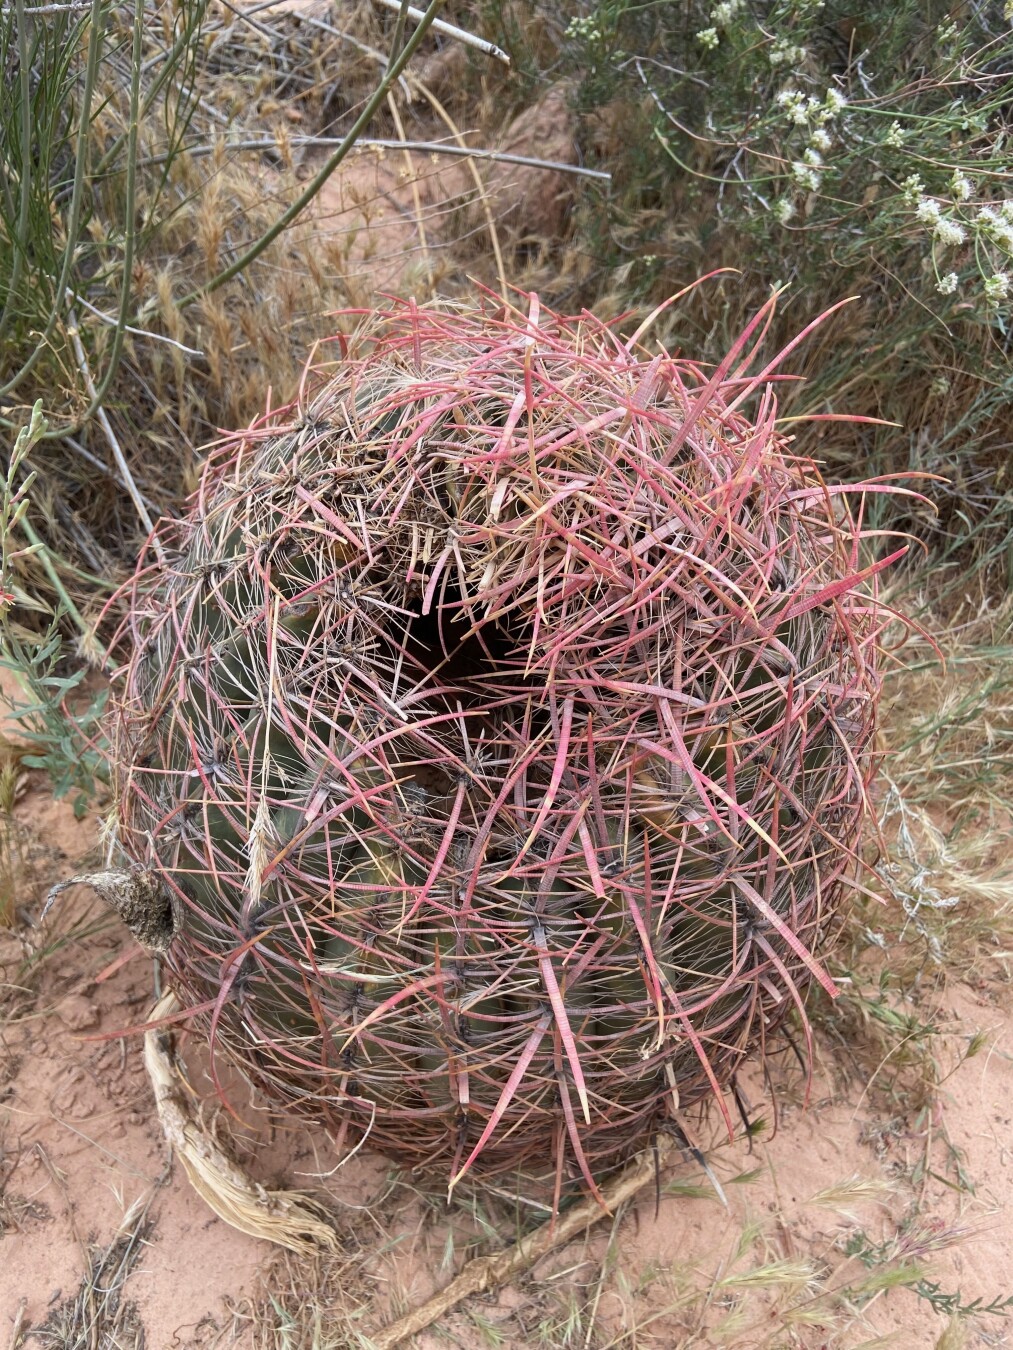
column 97, row 1314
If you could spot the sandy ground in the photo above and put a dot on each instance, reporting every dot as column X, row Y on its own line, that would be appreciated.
column 83, row 1164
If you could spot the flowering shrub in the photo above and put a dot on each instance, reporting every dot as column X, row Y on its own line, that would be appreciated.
column 871, row 132
column 838, row 150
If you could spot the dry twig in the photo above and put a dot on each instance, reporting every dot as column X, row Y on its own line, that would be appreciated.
column 451, row 30
column 490, row 1272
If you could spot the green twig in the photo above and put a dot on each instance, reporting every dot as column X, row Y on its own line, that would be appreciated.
column 25, row 174
column 398, row 39
column 43, row 555
column 74, row 213
column 97, row 393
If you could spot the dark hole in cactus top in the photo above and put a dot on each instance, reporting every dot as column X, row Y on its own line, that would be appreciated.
column 461, row 655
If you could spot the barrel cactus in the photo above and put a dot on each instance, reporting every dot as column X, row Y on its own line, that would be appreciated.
column 496, row 729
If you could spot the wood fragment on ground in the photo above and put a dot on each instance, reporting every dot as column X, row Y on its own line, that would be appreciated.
column 293, row 1221
column 283, row 1217
column 491, row 1272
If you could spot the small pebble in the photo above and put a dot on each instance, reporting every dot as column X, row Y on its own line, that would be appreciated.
column 77, row 1012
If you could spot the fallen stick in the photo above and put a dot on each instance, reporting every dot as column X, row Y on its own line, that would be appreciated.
column 451, row 30
column 489, row 1272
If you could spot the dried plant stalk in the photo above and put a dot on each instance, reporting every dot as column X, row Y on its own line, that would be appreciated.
column 282, row 1217
column 484, row 1273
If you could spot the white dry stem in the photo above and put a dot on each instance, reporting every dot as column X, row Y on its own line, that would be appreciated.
column 121, row 461
column 137, row 332
column 422, row 147
column 284, row 1217
column 451, row 30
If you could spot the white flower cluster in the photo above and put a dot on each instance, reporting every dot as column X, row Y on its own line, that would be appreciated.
column 912, row 188
column 785, row 53
column 800, row 110
column 948, row 232
column 804, row 110
column 991, row 226
column 928, row 211
column 960, row 187
column 783, row 210
column 895, row 136
column 724, row 13
column 586, row 30
column 997, row 226
column 708, row 38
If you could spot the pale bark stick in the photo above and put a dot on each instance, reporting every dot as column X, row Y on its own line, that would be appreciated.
column 490, row 1272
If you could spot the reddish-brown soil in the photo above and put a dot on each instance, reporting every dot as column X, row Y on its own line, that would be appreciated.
column 81, row 1149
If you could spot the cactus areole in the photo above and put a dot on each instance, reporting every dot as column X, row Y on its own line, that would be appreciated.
column 497, row 724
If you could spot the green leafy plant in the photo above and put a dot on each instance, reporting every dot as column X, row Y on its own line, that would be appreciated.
column 952, row 1305
column 59, row 729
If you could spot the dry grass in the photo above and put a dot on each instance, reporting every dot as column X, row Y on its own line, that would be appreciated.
column 223, row 150
column 98, row 1313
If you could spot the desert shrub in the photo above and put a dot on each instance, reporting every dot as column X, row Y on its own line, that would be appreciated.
column 834, row 150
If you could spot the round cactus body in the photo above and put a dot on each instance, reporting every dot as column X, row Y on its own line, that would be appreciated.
column 498, row 723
